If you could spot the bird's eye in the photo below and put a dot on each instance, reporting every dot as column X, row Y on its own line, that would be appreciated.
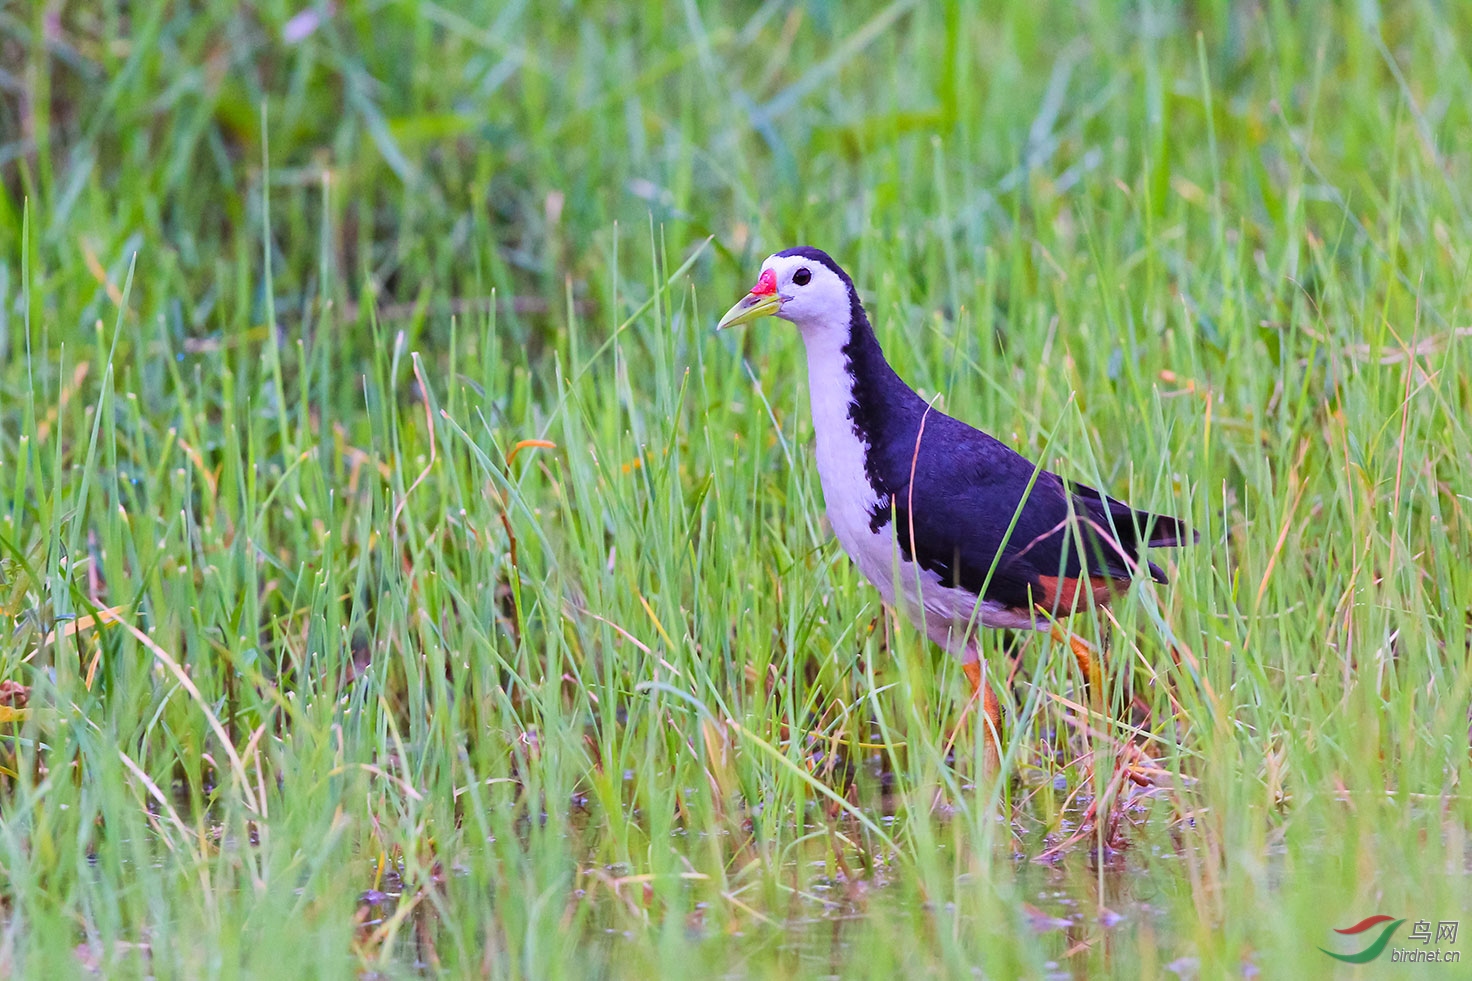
column 802, row 277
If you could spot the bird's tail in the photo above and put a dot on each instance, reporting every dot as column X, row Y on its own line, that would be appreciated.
column 1160, row 531
column 1133, row 530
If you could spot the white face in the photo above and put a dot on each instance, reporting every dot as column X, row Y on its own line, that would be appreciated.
column 813, row 297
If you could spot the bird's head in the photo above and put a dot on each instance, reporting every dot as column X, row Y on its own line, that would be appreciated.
column 801, row 285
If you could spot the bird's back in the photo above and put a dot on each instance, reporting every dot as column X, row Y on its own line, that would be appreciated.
column 979, row 515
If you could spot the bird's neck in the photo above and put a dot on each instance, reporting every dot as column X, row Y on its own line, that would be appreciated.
column 852, row 387
column 858, row 403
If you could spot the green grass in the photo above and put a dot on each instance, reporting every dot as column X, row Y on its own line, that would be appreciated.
column 378, row 692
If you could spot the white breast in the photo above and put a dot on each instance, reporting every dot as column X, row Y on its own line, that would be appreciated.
column 944, row 612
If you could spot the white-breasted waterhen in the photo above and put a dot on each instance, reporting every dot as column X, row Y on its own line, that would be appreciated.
column 950, row 524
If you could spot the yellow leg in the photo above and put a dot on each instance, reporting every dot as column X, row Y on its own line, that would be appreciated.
column 1090, row 661
column 1137, row 766
column 991, row 719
